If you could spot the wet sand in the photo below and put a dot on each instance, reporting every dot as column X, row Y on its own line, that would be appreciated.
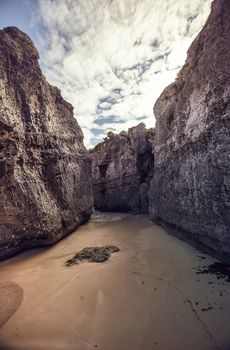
column 147, row 296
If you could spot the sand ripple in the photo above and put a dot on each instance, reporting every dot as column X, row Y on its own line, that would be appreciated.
column 11, row 296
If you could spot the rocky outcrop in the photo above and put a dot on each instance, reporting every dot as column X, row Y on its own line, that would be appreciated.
column 190, row 193
column 45, row 177
column 122, row 167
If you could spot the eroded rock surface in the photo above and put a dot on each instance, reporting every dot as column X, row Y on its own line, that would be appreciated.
column 190, row 192
column 122, row 167
column 45, row 177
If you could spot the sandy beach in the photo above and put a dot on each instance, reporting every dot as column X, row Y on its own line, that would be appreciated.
column 147, row 296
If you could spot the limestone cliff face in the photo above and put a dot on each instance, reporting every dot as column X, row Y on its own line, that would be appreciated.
column 45, row 175
column 191, row 188
column 122, row 168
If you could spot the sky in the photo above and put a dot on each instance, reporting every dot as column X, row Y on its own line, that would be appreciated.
column 110, row 58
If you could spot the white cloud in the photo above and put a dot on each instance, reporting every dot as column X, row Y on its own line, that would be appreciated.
column 113, row 58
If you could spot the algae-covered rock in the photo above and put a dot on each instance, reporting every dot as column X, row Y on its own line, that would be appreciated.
column 93, row 254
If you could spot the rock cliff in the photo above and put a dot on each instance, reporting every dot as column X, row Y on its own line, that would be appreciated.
column 122, row 167
column 45, row 175
column 190, row 193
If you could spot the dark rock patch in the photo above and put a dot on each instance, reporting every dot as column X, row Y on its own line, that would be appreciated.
column 93, row 254
column 221, row 270
column 207, row 308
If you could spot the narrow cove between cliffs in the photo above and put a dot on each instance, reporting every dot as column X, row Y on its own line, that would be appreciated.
column 149, row 295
